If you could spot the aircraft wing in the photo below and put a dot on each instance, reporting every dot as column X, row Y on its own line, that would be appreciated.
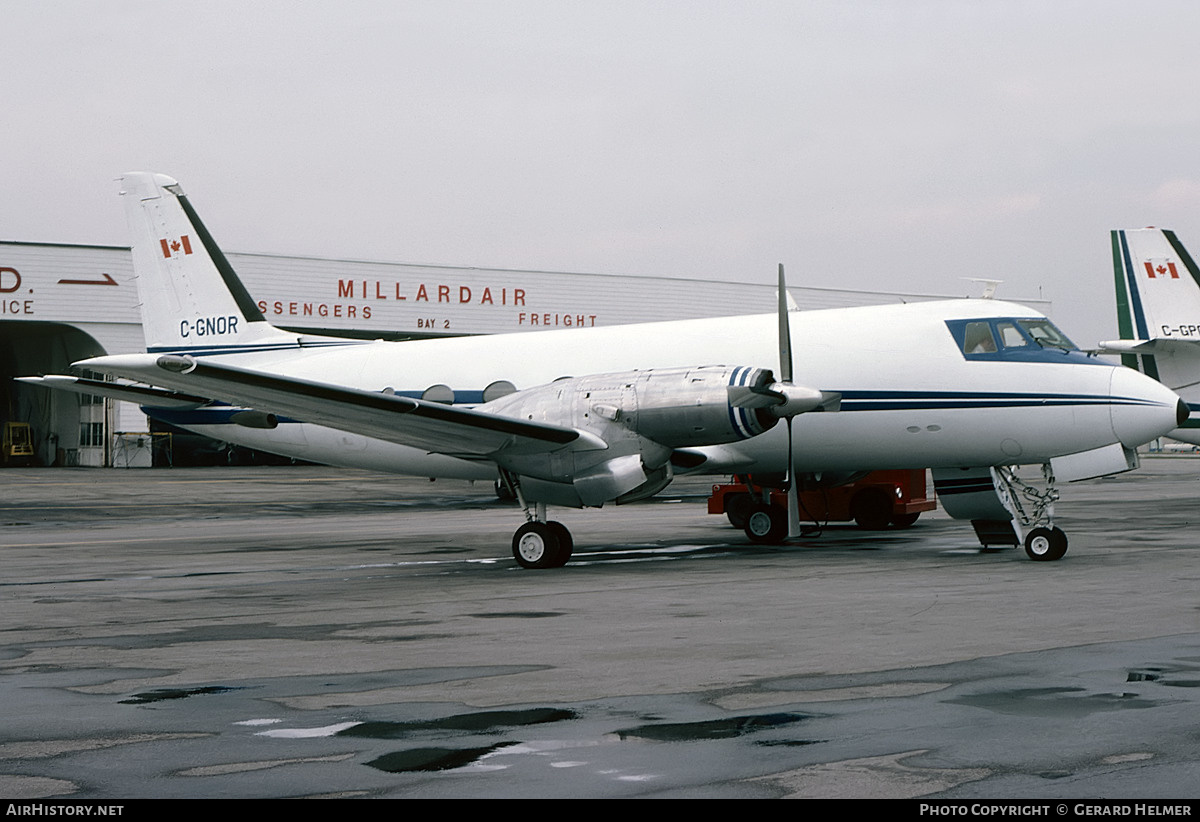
column 434, row 427
column 141, row 394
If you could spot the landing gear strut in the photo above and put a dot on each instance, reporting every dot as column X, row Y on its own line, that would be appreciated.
column 538, row 543
column 1032, row 509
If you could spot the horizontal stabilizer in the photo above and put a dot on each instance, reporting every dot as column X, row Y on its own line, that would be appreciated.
column 1158, row 345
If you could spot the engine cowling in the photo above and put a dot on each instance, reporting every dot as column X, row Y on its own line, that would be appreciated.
column 674, row 407
column 694, row 406
column 642, row 417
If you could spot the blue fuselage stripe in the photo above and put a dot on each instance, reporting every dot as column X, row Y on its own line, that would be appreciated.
column 220, row 414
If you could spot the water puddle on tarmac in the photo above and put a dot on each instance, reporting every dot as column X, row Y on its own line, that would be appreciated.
column 725, row 728
column 481, row 722
column 163, row 694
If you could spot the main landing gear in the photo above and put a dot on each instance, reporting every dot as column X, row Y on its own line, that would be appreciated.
column 766, row 523
column 1033, row 512
column 538, row 544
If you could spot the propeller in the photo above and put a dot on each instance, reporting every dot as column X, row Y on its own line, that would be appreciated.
column 797, row 400
column 784, row 399
column 785, row 377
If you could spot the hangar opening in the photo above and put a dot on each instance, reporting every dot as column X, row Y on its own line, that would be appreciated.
column 63, row 429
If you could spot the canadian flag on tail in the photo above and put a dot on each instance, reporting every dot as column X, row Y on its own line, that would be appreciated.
column 173, row 247
column 1161, row 268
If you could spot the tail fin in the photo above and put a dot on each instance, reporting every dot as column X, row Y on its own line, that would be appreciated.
column 191, row 298
column 1158, row 306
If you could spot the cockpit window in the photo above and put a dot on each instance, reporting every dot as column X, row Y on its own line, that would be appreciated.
column 1034, row 339
column 1045, row 334
column 978, row 339
column 1010, row 337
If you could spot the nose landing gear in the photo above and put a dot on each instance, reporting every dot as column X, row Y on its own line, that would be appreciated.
column 1033, row 518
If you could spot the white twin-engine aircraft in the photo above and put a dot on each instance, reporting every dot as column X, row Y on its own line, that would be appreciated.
column 588, row 416
column 1158, row 314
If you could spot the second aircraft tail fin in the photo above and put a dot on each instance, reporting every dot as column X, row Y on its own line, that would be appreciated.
column 1158, row 312
column 1158, row 286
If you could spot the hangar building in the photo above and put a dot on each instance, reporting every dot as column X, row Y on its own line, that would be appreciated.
column 63, row 303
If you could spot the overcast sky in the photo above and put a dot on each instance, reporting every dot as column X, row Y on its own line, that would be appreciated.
column 891, row 145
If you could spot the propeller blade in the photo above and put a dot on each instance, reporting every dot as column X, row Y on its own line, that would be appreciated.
column 807, row 399
column 793, row 496
column 785, row 333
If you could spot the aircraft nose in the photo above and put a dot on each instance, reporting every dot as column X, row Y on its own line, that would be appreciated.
column 1143, row 409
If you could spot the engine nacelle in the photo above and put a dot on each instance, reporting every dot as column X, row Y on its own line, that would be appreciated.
column 691, row 406
column 675, row 407
column 641, row 416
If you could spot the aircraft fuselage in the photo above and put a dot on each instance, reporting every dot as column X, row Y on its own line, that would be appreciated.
column 912, row 398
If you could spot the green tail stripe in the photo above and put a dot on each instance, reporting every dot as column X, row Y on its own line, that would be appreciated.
column 1124, row 315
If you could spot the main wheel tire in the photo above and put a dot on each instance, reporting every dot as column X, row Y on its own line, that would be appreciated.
column 1045, row 544
column 737, row 509
column 537, row 545
column 566, row 544
column 767, row 524
column 871, row 509
column 905, row 520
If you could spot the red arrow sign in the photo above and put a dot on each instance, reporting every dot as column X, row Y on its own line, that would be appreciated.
column 108, row 280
